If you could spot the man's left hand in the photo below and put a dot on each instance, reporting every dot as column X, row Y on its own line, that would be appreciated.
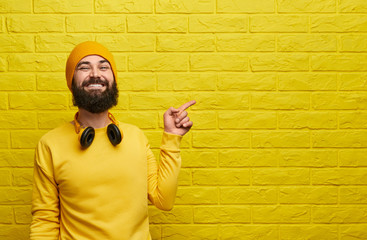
column 176, row 120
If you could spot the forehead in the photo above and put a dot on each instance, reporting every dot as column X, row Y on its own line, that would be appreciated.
column 93, row 59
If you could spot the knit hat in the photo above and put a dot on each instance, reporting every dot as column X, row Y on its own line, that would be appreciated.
column 85, row 49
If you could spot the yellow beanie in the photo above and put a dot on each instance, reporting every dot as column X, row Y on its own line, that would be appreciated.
column 85, row 49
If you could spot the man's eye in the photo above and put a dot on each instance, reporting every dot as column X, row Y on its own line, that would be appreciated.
column 84, row 68
column 104, row 67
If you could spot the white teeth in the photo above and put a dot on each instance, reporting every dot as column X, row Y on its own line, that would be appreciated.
column 95, row 85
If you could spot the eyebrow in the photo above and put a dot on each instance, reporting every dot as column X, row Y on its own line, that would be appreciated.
column 87, row 62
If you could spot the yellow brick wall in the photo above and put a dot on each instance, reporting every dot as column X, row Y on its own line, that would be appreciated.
column 279, row 146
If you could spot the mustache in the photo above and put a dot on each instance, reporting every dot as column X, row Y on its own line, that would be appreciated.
column 95, row 81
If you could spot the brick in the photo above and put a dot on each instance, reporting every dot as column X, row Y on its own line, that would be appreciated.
column 344, row 62
column 281, row 214
column 218, row 23
column 353, row 43
column 248, row 195
column 14, row 43
column 23, row 215
column 95, row 23
column 50, row 120
column 352, row 120
column 3, row 101
column 15, row 196
column 144, row 120
column 338, row 23
column 340, row 176
column 241, row 6
column 196, row 195
column 278, row 23
column 32, row 101
column 23, row 177
column 136, row 82
column 281, row 139
column 124, row 6
column 353, row 81
column 18, row 120
column 153, row 101
column 339, row 139
column 155, row 231
column 185, row 6
column 221, row 177
column 17, row 81
column 220, row 101
column 339, row 214
column 308, row 158
column 187, row 81
column 16, row 6
column 11, row 232
column 185, row 177
column 159, row 62
column 248, row 158
column 179, row 214
column 306, row 6
column 247, row 120
column 25, row 139
column 199, row 158
column 193, row 232
column 307, row 81
column 16, row 158
column 6, row 215
column 280, row 176
column 314, row 231
column 219, row 62
column 4, row 139
column 353, row 158
column 221, row 139
column 33, row 62
column 204, row 120
column 127, row 42
column 307, row 43
column 353, row 195
column 157, row 24
column 63, row 6
column 47, row 81
column 350, row 232
column 59, row 42
column 35, row 23
column 3, row 62
column 308, row 195
column 352, row 6
column 279, row 62
column 186, row 43
column 280, row 101
column 5, row 177
column 246, row 81
column 220, row 214
column 339, row 101
column 121, row 62
column 307, row 120
column 247, row 232
column 245, row 43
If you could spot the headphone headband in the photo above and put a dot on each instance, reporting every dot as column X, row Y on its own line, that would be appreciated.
column 77, row 125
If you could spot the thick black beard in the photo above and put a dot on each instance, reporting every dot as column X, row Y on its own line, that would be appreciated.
column 95, row 101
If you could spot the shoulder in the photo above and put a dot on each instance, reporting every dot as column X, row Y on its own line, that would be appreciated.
column 57, row 134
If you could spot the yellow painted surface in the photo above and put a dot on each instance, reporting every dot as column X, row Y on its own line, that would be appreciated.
column 278, row 150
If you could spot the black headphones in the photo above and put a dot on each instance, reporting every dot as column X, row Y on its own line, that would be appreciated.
column 86, row 136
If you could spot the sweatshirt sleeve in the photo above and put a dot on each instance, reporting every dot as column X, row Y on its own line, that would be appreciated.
column 45, row 197
column 163, row 176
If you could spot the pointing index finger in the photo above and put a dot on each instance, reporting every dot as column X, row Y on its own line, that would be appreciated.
column 186, row 105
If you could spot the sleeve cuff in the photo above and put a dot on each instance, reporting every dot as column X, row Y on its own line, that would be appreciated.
column 171, row 141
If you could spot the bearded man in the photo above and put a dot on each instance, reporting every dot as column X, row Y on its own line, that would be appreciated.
column 93, row 176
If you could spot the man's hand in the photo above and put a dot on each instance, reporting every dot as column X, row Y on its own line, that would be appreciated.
column 176, row 121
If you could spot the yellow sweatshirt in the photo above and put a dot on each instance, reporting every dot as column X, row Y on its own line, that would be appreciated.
column 100, row 193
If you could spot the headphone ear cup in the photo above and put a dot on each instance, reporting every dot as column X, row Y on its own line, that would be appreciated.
column 87, row 137
column 114, row 134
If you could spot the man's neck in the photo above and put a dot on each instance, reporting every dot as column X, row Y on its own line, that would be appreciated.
column 94, row 120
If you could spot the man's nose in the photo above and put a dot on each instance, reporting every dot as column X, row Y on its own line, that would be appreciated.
column 95, row 72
